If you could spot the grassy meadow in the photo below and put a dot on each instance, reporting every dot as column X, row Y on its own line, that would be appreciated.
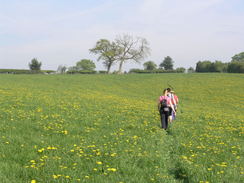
column 106, row 129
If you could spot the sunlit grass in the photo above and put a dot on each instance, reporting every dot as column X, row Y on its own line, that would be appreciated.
column 105, row 128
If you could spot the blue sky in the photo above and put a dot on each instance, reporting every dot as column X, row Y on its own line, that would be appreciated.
column 59, row 32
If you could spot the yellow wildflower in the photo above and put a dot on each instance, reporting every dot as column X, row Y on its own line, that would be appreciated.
column 112, row 169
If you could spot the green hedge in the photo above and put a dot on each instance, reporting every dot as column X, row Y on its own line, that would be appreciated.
column 14, row 71
column 82, row 72
column 48, row 71
column 24, row 71
column 102, row 72
column 140, row 71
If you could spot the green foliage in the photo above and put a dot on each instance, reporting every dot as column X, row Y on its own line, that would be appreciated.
column 167, row 63
column 81, row 72
column 180, row 70
column 105, row 128
column 106, row 51
column 204, row 66
column 150, row 65
column 72, row 69
column 102, row 72
column 61, row 69
column 15, row 71
column 208, row 66
column 218, row 66
column 190, row 70
column 85, row 64
column 238, row 57
column 236, row 67
column 24, row 71
column 124, row 48
column 35, row 65
column 47, row 71
column 140, row 71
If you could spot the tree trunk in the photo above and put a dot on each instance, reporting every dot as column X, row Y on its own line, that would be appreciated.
column 108, row 70
column 120, row 66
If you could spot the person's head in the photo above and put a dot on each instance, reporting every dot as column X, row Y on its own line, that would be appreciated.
column 168, row 89
column 165, row 92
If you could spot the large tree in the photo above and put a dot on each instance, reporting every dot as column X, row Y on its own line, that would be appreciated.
column 180, row 70
column 167, row 63
column 106, row 51
column 236, row 67
column 150, row 65
column 130, row 48
column 73, row 69
column 86, row 64
column 208, row 66
column 34, row 65
column 61, row 69
column 218, row 66
column 238, row 57
column 203, row 66
column 190, row 70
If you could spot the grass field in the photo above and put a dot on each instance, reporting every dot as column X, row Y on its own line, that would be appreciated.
column 106, row 128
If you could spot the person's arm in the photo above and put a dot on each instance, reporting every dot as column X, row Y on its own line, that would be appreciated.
column 159, row 104
column 170, row 103
column 177, row 99
column 174, row 99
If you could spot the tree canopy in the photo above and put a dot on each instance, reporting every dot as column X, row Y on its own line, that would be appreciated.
column 130, row 48
column 106, row 51
column 167, row 63
column 61, row 69
column 150, row 65
column 180, row 70
column 85, row 64
column 190, row 70
column 35, row 65
column 208, row 66
column 238, row 57
column 236, row 67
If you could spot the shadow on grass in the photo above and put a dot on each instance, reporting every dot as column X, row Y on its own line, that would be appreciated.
column 169, row 132
column 180, row 174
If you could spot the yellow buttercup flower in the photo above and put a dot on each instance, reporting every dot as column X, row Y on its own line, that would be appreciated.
column 112, row 169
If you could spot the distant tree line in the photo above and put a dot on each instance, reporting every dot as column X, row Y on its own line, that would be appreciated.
column 24, row 71
column 35, row 68
column 123, row 49
column 166, row 66
column 126, row 48
column 235, row 66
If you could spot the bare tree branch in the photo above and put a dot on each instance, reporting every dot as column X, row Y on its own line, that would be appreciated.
column 134, row 49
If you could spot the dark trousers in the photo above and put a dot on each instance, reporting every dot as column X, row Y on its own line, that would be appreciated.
column 164, row 115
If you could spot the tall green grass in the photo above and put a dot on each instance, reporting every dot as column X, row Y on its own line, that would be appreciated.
column 106, row 128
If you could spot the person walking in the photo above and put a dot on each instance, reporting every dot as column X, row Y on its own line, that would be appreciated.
column 172, row 113
column 164, row 106
column 175, row 103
